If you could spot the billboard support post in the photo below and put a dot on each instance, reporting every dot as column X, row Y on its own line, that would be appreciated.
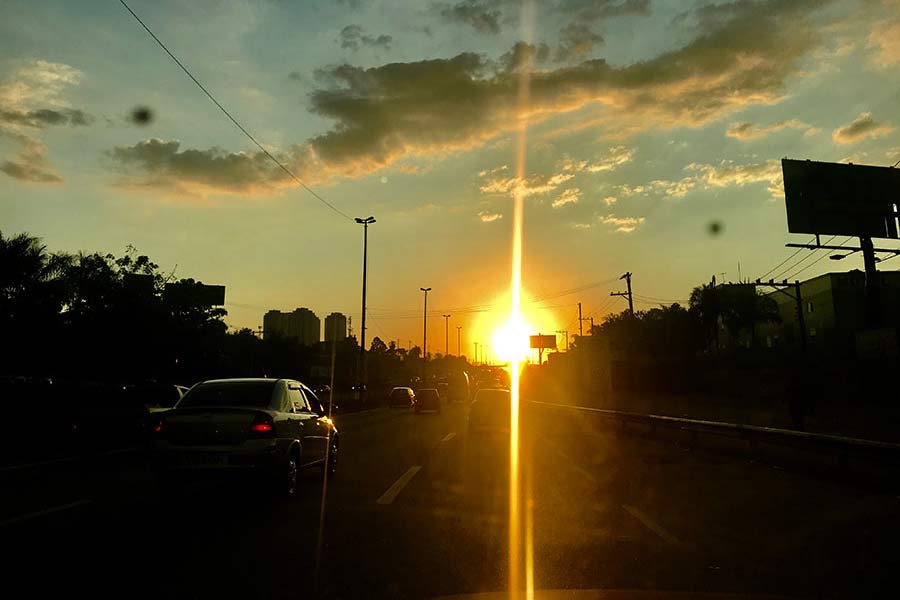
column 873, row 292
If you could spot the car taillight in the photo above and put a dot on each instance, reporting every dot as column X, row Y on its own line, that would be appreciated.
column 262, row 426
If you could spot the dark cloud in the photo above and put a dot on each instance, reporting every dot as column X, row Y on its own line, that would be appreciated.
column 352, row 37
column 862, row 127
column 576, row 42
column 595, row 10
column 523, row 53
column 156, row 163
column 483, row 16
column 31, row 164
column 386, row 114
column 45, row 117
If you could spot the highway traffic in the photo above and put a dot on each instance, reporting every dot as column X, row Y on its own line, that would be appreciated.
column 419, row 508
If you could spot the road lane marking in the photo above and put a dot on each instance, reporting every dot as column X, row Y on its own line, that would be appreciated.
column 45, row 512
column 393, row 491
column 448, row 437
column 652, row 525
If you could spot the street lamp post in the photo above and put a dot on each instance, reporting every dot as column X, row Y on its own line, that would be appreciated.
column 446, row 334
column 458, row 347
column 362, row 335
column 425, row 331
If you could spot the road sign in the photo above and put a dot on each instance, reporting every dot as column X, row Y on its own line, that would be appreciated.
column 543, row 342
column 841, row 199
column 195, row 294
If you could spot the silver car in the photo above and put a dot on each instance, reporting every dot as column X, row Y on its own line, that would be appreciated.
column 271, row 426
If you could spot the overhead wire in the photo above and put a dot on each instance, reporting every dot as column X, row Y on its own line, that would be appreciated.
column 802, row 260
column 235, row 121
column 827, row 254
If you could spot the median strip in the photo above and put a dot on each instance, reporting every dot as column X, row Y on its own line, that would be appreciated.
column 393, row 491
column 44, row 513
column 652, row 525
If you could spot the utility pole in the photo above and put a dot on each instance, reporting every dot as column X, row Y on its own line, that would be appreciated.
column 446, row 334
column 425, row 331
column 627, row 278
column 362, row 336
column 798, row 299
column 580, row 332
column 566, row 332
column 458, row 347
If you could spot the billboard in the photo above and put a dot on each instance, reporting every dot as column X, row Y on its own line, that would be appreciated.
column 841, row 199
column 195, row 294
column 543, row 342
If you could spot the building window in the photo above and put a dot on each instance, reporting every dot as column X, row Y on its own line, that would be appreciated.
column 809, row 307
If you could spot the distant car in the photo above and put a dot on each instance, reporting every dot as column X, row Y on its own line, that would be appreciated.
column 402, row 396
column 428, row 399
column 490, row 411
column 269, row 426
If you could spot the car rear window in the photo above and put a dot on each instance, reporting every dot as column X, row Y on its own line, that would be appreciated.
column 399, row 393
column 428, row 394
column 253, row 394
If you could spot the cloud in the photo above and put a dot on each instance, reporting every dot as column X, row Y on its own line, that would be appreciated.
column 388, row 113
column 352, row 37
column 615, row 157
column 159, row 164
column 884, row 39
column 750, row 131
column 610, row 200
column 861, row 128
column 530, row 186
column 569, row 196
column 489, row 217
column 623, row 224
column 594, row 10
column 577, row 41
column 33, row 97
column 31, row 164
column 523, row 54
column 481, row 16
column 38, row 83
column 706, row 176
column 45, row 117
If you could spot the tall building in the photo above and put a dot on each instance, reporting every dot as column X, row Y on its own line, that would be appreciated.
column 302, row 324
column 335, row 327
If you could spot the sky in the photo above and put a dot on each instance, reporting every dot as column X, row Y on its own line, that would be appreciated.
column 654, row 134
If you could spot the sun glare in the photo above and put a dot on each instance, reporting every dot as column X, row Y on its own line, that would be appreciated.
column 510, row 341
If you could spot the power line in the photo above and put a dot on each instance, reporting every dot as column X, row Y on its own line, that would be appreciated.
column 233, row 120
column 820, row 258
column 801, row 261
column 764, row 275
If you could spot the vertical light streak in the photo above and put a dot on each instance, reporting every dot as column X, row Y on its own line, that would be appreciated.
column 527, row 20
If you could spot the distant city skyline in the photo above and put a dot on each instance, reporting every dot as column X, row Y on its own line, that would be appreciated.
column 654, row 136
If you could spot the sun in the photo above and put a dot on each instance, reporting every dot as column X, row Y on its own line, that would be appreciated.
column 511, row 341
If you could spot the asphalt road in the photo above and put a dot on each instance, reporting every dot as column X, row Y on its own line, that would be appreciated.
column 420, row 509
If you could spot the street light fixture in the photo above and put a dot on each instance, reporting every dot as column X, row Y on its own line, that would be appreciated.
column 362, row 335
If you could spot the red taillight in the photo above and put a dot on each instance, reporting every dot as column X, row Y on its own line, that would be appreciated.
column 158, row 427
column 262, row 426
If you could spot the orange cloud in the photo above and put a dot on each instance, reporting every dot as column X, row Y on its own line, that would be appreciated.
column 862, row 127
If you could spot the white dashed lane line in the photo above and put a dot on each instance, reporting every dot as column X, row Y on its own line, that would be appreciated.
column 393, row 491
column 448, row 437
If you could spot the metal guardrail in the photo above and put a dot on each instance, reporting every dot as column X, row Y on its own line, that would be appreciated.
column 753, row 433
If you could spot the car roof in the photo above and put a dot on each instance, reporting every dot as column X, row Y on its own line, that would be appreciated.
column 243, row 380
column 493, row 389
column 427, row 389
column 401, row 387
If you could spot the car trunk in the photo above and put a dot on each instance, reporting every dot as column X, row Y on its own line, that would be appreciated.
column 209, row 426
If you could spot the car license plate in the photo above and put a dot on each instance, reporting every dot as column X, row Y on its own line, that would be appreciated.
column 205, row 460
